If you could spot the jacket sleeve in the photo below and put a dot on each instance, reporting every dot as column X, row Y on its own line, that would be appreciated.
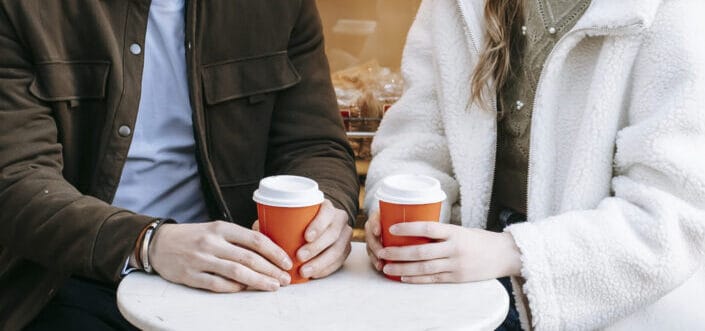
column 307, row 136
column 585, row 269
column 42, row 217
column 411, row 138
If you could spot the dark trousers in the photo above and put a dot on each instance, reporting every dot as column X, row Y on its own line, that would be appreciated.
column 511, row 322
column 81, row 305
column 507, row 217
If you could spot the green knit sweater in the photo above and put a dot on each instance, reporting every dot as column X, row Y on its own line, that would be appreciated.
column 546, row 21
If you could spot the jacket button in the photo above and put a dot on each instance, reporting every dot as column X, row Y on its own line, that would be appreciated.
column 552, row 30
column 124, row 131
column 136, row 49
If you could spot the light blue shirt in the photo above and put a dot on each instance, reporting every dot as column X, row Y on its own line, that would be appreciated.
column 160, row 177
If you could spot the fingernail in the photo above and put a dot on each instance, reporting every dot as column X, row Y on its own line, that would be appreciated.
column 304, row 254
column 273, row 286
column 305, row 271
column 311, row 235
column 393, row 229
column 381, row 253
column 286, row 262
column 387, row 269
column 404, row 279
column 378, row 266
column 285, row 279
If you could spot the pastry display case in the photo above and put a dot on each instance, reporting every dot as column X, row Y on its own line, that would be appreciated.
column 364, row 43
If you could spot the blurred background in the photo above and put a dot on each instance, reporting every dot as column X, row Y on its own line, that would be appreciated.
column 364, row 43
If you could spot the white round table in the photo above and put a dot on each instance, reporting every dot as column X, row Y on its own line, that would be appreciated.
column 354, row 298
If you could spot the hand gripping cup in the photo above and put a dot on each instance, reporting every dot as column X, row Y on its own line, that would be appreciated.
column 408, row 198
column 286, row 205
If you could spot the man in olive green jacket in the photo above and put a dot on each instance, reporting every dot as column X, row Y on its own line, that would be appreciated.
column 259, row 102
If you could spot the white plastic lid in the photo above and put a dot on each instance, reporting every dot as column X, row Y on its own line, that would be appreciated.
column 408, row 189
column 288, row 191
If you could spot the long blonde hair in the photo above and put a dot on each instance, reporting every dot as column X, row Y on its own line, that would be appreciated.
column 494, row 64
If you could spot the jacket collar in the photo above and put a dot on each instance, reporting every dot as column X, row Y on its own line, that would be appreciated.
column 612, row 15
column 604, row 17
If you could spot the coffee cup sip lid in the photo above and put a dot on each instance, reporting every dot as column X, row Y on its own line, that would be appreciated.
column 288, row 191
column 410, row 189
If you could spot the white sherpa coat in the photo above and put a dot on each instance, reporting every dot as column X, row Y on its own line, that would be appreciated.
column 616, row 208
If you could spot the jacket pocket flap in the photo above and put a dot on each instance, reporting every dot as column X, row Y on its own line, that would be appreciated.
column 248, row 77
column 65, row 81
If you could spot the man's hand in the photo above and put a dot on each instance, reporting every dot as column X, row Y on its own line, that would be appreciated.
column 328, row 242
column 218, row 256
column 328, row 246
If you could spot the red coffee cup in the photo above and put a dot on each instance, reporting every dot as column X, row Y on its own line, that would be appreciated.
column 286, row 205
column 408, row 198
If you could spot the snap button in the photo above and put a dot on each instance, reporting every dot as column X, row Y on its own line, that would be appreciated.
column 135, row 49
column 124, row 131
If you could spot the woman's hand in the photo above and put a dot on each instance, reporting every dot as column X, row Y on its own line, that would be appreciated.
column 373, row 231
column 459, row 255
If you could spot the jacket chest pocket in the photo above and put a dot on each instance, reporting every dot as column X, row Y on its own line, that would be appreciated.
column 72, row 82
column 76, row 93
column 241, row 95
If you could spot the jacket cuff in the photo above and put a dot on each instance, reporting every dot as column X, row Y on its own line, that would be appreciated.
column 115, row 241
column 538, row 288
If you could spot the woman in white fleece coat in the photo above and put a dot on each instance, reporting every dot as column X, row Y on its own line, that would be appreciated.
column 615, row 236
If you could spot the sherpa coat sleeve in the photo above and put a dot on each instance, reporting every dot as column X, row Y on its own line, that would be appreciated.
column 585, row 268
column 411, row 137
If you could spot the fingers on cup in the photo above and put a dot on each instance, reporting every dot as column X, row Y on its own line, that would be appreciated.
column 424, row 268
column 444, row 277
column 244, row 275
column 214, row 283
column 327, row 216
column 372, row 225
column 253, row 261
column 330, row 235
column 433, row 230
column 376, row 263
column 430, row 251
column 258, row 243
column 374, row 245
column 331, row 259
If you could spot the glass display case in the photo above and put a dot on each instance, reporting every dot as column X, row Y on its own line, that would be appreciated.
column 364, row 43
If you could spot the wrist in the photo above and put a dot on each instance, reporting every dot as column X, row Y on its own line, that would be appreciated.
column 512, row 254
column 147, row 242
column 155, row 247
column 134, row 261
